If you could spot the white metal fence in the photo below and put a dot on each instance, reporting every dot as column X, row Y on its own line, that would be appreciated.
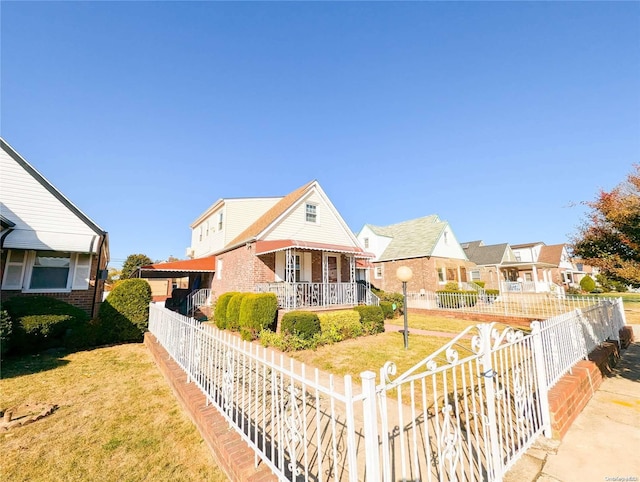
column 570, row 337
column 527, row 305
column 466, row 412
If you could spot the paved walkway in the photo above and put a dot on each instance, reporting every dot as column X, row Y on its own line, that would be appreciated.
column 391, row 327
column 603, row 444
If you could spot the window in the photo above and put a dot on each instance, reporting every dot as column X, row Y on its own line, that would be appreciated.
column 219, row 269
column 441, row 276
column 366, row 243
column 50, row 271
column 518, row 257
column 377, row 272
column 475, row 274
column 311, row 212
column 580, row 266
column 220, row 219
column 46, row 271
column 451, row 274
column 200, row 233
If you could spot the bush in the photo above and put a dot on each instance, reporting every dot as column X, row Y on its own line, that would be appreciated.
column 124, row 315
column 304, row 324
column 41, row 322
column 220, row 310
column 453, row 299
column 387, row 309
column 288, row 342
column 481, row 284
column 491, row 295
column 372, row 319
column 6, row 331
column 451, row 286
column 336, row 326
column 258, row 311
column 233, row 311
column 587, row 284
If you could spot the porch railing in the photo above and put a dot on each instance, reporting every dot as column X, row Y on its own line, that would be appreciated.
column 198, row 298
column 302, row 295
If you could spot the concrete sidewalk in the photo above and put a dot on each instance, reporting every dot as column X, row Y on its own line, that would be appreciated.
column 603, row 444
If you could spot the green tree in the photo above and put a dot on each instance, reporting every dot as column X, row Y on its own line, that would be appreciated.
column 132, row 263
column 610, row 238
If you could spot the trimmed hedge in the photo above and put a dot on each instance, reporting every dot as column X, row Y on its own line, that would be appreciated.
column 340, row 325
column 41, row 322
column 233, row 311
column 587, row 284
column 387, row 309
column 491, row 295
column 481, row 284
column 372, row 319
column 258, row 311
column 124, row 315
column 220, row 311
column 304, row 324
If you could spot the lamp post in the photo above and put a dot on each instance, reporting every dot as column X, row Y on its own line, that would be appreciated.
column 404, row 274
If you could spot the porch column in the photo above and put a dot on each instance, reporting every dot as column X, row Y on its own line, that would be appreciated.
column 535, row 278
column 290, row 277
column 459, row 276
column 352, row 275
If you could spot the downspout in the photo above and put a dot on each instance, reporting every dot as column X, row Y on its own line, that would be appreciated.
column 95, row 290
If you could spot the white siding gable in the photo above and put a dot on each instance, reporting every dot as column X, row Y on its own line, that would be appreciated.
column 448, row 246
column 377, row 243
column 329, row 227
column 42, row 221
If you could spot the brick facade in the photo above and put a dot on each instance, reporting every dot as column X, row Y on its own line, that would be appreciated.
column 83, row 299
column 425, row 273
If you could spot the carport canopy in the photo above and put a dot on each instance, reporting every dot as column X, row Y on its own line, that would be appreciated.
column 178, row 269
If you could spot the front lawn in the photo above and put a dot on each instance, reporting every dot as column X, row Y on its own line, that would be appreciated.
column 117, row 421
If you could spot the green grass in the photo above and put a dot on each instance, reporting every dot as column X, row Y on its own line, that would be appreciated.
column 117, row 421
column 435, row 323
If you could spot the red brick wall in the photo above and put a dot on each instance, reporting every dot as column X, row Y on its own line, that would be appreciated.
column 424, row 277
column 242, row 270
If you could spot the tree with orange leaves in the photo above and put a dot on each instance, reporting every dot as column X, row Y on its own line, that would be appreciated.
column 610, row 239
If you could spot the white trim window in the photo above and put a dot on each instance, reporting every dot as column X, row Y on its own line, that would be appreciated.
column 475, row 274
column 311, row 213
column 220, row 220
column 219, row 269
column 46, row 271
column 377, row 272
column 442, row 276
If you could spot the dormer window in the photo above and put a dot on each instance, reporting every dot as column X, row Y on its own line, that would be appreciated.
column 220, row 222
column 311, row 213
column 366, row 243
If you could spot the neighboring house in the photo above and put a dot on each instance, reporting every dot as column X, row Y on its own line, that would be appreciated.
column 566, row 271
column 426, row 245
column 296, row 246
column 48, row 246
column 495, row 263
column 535, row 273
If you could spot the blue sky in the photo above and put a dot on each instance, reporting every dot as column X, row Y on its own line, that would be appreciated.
column 500, row 117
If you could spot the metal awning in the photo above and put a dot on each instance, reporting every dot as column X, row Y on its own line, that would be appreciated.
column 178, row 269
column 264, row 247
column 52, row 241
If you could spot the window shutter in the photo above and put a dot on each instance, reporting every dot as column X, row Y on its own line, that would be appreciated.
column 82, row 272
column 14, row 270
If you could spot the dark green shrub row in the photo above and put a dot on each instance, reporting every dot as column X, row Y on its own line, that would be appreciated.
column 248, row 313
column 258, row 312
column 34, row 323
column 372, row 319
column 304, row 324
column 220, row 311
column 456, row 299
column 387, row 309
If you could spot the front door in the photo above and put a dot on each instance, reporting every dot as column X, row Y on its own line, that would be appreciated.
column 332, row 269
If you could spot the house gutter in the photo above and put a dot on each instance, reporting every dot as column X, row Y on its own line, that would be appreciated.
column 103, row 239
column 4, row 235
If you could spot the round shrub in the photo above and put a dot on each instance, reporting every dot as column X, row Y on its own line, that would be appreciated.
column 258, row 312
column 41, row 322
column 304, row 324
column 220, row 311
column 233, row 311
column 587, row 284
column 372, row 319
column 124, row 315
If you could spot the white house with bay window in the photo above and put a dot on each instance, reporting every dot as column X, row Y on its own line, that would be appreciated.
column 48, row 246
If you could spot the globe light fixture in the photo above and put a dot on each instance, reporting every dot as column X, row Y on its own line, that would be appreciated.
column 404, row 274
